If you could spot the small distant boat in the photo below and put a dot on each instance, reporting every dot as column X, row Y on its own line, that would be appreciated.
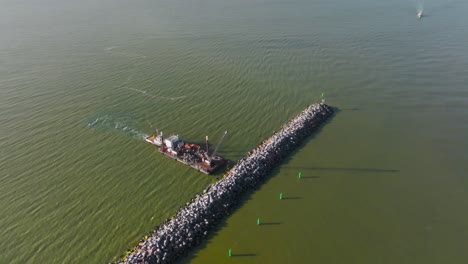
column 420, row 14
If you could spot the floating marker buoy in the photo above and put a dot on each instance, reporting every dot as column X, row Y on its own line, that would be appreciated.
column 258, row 221
column 281, row 196
column 299, row 175
column 230, row 252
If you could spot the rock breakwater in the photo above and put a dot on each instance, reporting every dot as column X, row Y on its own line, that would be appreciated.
column 193, row 222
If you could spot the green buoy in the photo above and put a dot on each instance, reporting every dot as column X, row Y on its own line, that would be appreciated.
column 281, row 196
column 230, row 252
column 299, row 175
column 258, row 221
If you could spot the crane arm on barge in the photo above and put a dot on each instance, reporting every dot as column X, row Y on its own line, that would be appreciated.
column 219, row 143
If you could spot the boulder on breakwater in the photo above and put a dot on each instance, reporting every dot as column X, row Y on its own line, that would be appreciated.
column 192, row 223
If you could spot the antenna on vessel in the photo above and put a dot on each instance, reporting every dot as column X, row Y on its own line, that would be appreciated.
column 219, row 143
column 162, row 138
column 207, row 149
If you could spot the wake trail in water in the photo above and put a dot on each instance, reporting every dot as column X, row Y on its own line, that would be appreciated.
column 130, row 44
column 152, row 95
column 140, row 91
column 419, row 4
column 109, row 123
column 111, row 49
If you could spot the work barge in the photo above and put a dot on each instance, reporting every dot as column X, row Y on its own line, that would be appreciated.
column 189, row 154
column 192, row 223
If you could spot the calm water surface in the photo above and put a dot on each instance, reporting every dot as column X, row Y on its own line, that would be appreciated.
column 384, row 181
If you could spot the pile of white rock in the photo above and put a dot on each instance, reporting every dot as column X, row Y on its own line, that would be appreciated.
column 192, row 223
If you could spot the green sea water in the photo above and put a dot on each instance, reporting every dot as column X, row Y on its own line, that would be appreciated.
column 81, row 82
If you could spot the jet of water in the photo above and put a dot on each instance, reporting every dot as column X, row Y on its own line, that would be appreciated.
column 419, row 6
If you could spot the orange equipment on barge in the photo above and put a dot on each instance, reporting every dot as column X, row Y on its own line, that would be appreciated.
column 189, row 154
